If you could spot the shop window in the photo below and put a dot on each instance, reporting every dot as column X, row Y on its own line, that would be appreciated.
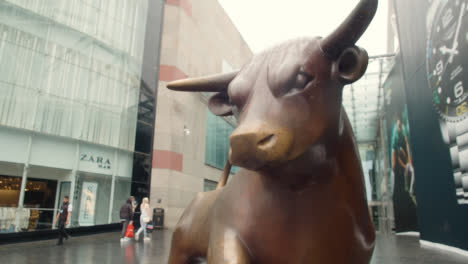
column 9, row 191
column 39, row 198
column 40, row 193
column 217, row 142
column 92, row 200
column 9, row 198
column 209, row 185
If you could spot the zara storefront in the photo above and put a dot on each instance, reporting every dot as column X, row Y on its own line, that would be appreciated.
column 72, row 83
column 38, row 170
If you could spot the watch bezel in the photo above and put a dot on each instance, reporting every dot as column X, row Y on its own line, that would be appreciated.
column 429, row 34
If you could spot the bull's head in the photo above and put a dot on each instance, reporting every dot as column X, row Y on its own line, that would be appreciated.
column 288, row 98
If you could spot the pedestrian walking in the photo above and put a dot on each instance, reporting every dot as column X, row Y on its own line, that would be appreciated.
column 134, row 203
column 63, row 218
column 126, row 217
column 145, row 218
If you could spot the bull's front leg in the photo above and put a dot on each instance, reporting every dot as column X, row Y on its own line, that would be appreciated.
column 226, row 247
column 179, row 253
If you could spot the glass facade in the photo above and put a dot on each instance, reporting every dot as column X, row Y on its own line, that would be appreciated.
column 75, row 108
column 72, row 69
column 217, row 146
column 209, row 185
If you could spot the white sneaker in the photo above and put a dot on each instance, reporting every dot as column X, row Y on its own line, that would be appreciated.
column 122, row 239
column 136, row 236
column 147, row 239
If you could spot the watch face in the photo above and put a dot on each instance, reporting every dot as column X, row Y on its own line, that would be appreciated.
column 447, row 60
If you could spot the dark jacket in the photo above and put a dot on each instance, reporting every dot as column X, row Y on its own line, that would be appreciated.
column 126, row 211
column 63, row 213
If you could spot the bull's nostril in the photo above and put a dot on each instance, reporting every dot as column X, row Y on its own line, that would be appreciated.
column 266, row 140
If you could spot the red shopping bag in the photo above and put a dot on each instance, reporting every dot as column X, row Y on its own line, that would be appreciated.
column 130, row 229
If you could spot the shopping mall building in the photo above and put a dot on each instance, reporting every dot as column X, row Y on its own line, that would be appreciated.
column 84, row 111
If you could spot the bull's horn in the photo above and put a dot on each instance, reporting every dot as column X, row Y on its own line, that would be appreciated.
column 350, row 30
column 213, row 83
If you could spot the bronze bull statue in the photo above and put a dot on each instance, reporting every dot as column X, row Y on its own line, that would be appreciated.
column 300, row 196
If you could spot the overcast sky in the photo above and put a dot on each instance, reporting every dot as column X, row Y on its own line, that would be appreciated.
column 264, row 23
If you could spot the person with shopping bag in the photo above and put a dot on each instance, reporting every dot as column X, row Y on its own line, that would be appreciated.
column 126, row 218
column 145, row 218
column 130, row 231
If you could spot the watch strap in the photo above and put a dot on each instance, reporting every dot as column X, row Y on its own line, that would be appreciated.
column 457, row 137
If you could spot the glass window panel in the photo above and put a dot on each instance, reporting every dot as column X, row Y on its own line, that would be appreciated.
column 9, row 192
column 122, row 188
column 217, row 145
column 209, row 185
column 363, row 99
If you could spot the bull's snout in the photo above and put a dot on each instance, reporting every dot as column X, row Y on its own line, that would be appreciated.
column 254, row 145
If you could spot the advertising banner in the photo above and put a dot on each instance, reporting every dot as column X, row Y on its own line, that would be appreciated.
column 446, row 63
column 434, row 49
column 88, row 204
column 402, row 177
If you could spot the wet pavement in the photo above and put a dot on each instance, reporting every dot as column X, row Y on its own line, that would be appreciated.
column 106, row 248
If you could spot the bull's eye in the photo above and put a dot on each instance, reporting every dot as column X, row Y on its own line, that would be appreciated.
column 302, row 80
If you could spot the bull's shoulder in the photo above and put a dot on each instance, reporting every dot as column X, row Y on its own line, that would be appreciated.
column 348, row 145
column 354, row 190
column 199, row 209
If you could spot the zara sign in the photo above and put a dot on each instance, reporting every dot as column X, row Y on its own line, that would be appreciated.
column 100, row 161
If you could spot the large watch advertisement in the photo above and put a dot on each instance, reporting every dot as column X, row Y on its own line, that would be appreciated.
column 433, row 38
column 446, row 51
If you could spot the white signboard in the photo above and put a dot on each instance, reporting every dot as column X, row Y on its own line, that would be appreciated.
column 88, row 204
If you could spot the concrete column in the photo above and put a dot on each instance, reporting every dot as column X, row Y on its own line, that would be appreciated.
column 74, row 175
column 114, row 174
column 57, row 202
column 23, row 186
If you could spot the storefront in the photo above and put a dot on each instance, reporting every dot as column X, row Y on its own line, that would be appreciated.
column 74, row 79
column 100, row 177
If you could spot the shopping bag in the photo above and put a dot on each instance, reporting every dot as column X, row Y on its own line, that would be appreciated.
column 130, row 230
column 149, row 228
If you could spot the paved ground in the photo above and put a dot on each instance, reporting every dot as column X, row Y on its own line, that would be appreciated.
column 106, row 248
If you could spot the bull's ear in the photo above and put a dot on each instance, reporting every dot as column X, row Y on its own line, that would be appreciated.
column 219, row 104
column 351, row 65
